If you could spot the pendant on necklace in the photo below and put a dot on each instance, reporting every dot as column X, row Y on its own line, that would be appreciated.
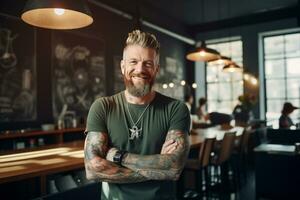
column 135, row 132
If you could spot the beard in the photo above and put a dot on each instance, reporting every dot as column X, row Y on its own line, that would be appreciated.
column 139, row 89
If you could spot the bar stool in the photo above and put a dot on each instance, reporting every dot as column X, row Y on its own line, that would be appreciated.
column 220, row 160
column 198, row 166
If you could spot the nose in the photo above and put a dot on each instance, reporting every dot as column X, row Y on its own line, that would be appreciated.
column 139, row 67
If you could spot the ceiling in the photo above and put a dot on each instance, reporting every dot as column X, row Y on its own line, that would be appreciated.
column 193, row 12
column 189, row 17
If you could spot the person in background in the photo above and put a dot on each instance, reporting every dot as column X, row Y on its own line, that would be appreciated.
column 189, row 100
column 285, row 121
column 137, row 140
column 201, row 113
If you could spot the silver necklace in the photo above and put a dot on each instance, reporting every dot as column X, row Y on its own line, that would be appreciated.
column 135, row 132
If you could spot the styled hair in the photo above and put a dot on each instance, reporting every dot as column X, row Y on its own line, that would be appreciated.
column 143, row 39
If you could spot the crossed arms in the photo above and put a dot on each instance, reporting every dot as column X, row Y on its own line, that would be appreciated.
column 135, row 168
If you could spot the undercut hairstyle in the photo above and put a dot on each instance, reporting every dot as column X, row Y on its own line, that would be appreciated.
column 143, row 39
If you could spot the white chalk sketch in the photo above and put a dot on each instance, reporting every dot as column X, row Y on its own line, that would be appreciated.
column 78, row 71
column 17, row 71
column 170, row 75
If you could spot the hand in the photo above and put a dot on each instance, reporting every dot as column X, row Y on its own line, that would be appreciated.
column 169, row 147
column 110, row 154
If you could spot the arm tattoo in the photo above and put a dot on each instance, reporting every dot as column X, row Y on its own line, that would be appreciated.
column 97, row 167
column 161, row 166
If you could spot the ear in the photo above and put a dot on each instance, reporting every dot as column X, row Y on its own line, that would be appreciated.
column 157, row 69
column 122, row 64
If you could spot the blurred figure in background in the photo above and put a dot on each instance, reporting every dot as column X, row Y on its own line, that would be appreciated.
column 189, row 100
column 285, row 121
column 242, row 112
column 201, row 113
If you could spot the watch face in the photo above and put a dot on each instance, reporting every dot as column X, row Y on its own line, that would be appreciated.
column 117, row 157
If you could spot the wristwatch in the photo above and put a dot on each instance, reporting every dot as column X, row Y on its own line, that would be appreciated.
column 119, row 156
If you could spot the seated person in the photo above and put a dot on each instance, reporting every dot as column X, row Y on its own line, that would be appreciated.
column 189, row 100
column 285, row 121
column 201, row 113
column 222, row 119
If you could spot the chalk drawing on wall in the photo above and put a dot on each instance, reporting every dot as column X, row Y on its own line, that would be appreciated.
column 17, row 71
column 78, row 71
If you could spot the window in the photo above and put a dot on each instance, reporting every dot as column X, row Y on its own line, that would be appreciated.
column 223, row 88
column 281, row 55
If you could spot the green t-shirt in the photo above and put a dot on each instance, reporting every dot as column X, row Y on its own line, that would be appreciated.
column 110, row 115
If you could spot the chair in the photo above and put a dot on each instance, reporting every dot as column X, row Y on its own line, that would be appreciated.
column 80, row 178
column 199, row 165
column 221, row 157
column 90, row 191
column 65, row 182
column 237, row 154
column 245, row 147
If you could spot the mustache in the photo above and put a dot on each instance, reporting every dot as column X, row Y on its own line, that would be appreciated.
column 139, row 75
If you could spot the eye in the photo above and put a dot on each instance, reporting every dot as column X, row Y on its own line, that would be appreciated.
column 149, row 64
column 133, row 62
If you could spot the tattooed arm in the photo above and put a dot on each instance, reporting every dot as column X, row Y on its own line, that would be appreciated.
column 165, row 166
column 97, row 167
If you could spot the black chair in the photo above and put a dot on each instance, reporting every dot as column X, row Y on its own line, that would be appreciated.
column 91, row 191
column 199, row 166
column 65, row 182
column 220, row 162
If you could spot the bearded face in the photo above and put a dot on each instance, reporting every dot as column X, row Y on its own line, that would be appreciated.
column 139, row 69
column 140, row 87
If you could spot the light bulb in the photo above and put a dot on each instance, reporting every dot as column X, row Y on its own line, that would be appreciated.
column 220, row 61
column 165, row 86
column 202, row 53
column 246, row 77
column 254, row 81
column 59, row 11
column 182, row 82
column 194, row 85
column 171, row 85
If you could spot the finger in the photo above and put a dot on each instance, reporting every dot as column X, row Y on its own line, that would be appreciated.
column 170, row 147
column 168, row 142
column 171, row 150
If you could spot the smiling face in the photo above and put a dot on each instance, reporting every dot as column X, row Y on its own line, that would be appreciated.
column 139, row 68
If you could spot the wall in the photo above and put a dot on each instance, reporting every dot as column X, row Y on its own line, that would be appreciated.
column 109, row 27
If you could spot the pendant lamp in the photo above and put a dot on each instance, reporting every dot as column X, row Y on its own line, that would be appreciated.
column 232, row 67
column 222, row 60
column 203, row 53
column 57, row 14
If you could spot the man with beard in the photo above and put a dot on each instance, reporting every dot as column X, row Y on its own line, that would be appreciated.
column 137, row 140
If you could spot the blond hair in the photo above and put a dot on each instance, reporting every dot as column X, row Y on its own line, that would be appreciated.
column 143, row 39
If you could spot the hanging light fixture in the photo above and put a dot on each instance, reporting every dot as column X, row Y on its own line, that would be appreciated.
column 203, row 53
column 57, row 14
column 222, row 60
column 232, row 67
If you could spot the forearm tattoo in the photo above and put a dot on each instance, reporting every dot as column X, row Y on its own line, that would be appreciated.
column 161, row 166
column 97, row 167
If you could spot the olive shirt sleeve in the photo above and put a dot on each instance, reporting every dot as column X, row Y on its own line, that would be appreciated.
column 180, row 118
column 96, row 120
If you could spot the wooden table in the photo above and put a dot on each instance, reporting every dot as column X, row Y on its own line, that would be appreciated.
column 40, row 163
column 217, row 132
